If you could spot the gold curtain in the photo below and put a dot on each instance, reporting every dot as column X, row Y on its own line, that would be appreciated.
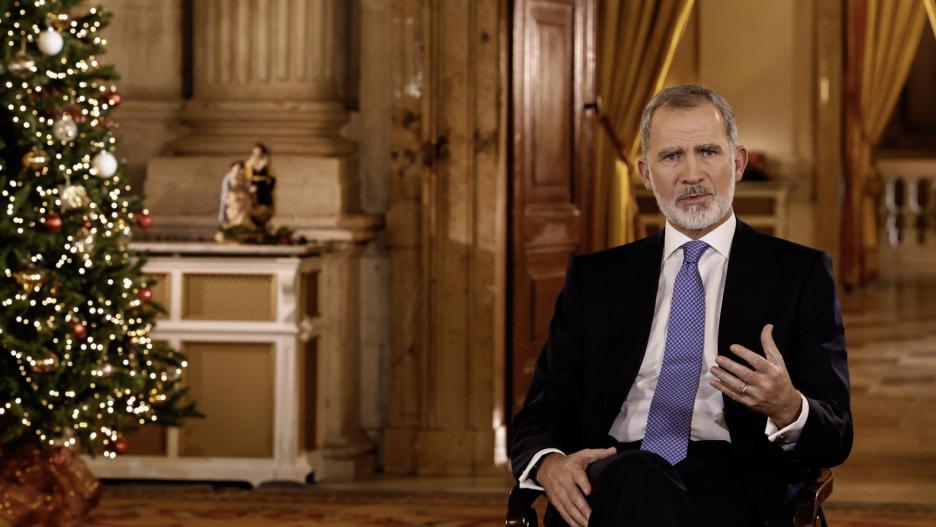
column 636, row 42
column 882, row 39
column 931, row 13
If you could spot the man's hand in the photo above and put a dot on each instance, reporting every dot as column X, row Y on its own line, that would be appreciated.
column 566, row 483
column 767, row 388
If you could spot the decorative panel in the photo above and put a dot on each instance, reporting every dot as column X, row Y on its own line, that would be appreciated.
column 308, row 395
column 149, row 440
column 233, row 384
column 160, row 285
column 551, row 26
column 229, row 297
column 545, row 286
column 309, row 294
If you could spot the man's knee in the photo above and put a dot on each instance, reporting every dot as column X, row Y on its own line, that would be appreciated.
column 632, row 465
column 637, row 488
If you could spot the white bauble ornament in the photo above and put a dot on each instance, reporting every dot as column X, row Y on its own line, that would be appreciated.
column 50, row 42
column 65, row 128
column 104, row 164
column 73, row 197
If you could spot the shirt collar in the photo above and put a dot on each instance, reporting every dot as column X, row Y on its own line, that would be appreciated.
column 719, row 239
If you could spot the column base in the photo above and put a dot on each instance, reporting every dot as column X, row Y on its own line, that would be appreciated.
column 440, row 452
column 348, row 462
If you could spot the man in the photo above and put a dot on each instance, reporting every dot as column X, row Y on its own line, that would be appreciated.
column 696, row 377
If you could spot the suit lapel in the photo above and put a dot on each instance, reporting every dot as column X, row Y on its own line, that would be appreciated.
column 632, row 301
column 748, row 293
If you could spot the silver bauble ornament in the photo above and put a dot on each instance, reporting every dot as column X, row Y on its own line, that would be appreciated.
column 73, row 197
column 51, row 42
column 22, row 65
column 65, row 129
column 104, row 164
column 84, row 242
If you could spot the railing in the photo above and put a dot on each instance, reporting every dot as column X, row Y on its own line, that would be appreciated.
column 909, row 207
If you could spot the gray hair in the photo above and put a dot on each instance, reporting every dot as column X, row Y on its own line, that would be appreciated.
column 687, row 96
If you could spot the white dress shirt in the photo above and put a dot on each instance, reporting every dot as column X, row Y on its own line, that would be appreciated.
column 708, row 415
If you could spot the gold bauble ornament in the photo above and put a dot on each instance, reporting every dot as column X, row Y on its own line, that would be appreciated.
column 103, row 369
column 157, row 395
column 22, row 65
column 30, row 277
column 59, row 21
column 36, row 159
column 48, row 362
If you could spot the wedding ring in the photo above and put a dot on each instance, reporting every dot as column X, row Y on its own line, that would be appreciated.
column 744, row 389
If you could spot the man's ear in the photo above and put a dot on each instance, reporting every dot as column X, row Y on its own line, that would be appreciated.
column 644, row 173
column 740, row 161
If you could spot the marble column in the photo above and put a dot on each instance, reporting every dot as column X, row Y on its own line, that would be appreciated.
column 270, row 69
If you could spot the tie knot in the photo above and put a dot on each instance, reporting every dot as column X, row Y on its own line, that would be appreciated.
column 693, row 250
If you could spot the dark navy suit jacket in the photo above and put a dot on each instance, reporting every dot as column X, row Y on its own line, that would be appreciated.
column 599, row 332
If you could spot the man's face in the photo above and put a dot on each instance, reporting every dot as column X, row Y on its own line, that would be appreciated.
column 691, row 167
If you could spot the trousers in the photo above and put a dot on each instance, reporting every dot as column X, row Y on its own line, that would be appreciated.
column 635, row 488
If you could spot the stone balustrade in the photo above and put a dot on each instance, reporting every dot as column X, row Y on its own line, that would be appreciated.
column 909, row 205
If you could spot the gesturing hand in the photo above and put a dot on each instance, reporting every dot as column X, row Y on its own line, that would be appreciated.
column 766, row 388
column 566, row 483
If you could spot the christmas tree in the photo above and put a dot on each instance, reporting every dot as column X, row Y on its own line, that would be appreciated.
column 78, row 367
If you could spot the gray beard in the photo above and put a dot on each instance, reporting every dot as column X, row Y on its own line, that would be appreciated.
column 699, row 216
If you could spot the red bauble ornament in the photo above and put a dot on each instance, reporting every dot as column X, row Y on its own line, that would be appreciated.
column 113, row 99
column 75, row 113
column 122, row 446
column 53, row 223
column 79, row 330
column 86, row 223
column 145, row 221
column 145, row 294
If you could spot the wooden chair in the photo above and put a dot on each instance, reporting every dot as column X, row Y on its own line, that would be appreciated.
column 807, row 513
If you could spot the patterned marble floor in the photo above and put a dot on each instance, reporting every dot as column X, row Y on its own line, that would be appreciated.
column 891, row 334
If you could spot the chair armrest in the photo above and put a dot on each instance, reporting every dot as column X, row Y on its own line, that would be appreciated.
column 520, row 511
column 810, row 499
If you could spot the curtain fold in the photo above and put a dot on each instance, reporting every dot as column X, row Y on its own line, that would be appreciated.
column 881, row 41
column 636, row 43
column 930, row 6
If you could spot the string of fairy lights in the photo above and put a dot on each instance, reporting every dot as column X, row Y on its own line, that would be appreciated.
column 80, row 335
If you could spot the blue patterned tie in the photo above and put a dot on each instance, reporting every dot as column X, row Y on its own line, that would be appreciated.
column 670, row 418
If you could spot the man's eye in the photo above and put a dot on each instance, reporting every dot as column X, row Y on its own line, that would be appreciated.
column 709, row 152
column 671, row 156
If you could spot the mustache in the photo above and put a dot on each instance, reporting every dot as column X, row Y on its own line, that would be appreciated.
column 695, row 190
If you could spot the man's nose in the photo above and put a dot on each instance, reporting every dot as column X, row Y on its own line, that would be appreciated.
column 693, row 172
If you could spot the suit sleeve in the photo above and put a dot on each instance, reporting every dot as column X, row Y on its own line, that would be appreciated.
column 550, row 414
column 820, row 371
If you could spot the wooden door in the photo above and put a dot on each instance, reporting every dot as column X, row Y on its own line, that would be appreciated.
column 551, row 162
